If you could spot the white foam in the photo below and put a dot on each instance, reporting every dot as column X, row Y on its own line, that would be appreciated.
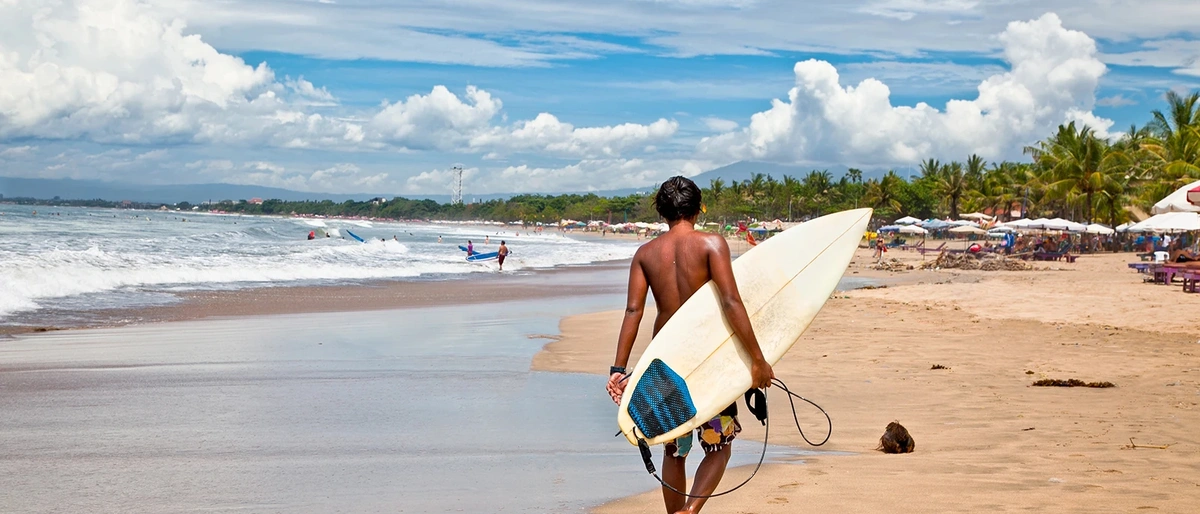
column 99, row 254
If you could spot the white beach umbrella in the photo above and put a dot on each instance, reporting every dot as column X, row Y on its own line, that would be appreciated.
column 967, row 229
column 1002, row 229
column 1169, row 222
column 907, row 220
column 1068, row 225
column 912, row 229
column 1124, row 227
column 1177, row 201
column 1096, row 228
column 975, row 216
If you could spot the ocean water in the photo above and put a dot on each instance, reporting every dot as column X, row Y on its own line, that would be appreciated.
column 420, row 410
column 77, row 259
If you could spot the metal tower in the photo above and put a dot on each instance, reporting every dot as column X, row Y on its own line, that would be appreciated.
column 456, row 198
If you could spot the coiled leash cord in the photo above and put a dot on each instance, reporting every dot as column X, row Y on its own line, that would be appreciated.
column 759, row 408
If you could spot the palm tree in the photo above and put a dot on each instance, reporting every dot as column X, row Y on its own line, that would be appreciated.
column 855, row 175
column 951, row 185
column 883, row 194
column 716, row 187
column 791, row 188
column 818, row 184
column 1078, row 165
column 931, row 168
column 1174, row 150
column 975, row 169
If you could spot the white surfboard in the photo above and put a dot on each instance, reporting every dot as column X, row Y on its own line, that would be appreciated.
column 784, row 282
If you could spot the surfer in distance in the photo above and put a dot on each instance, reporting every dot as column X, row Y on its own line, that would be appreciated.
column 470, row 248
column 501, row 253
column 674, row 266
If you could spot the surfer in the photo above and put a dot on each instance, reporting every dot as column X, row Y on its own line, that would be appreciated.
column 501, row 253
column 470, row 248
column 674, row 266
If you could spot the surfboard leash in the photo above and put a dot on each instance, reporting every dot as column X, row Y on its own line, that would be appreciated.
column 759, row 409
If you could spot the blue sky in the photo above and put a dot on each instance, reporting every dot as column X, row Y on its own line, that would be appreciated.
column 568, row 95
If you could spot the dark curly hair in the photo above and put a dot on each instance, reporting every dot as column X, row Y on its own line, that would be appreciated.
column 677, row 198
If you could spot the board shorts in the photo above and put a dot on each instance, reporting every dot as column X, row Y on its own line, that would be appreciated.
column 501, row 258
column 714, row 434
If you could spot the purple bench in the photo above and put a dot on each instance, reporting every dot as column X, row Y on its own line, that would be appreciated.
column 1190, row 278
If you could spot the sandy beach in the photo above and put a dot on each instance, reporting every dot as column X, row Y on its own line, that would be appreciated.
column 986, row 440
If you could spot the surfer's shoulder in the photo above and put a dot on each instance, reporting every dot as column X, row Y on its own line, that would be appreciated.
column 714, row 241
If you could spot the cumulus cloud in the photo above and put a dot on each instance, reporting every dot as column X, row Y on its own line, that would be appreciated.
column 1053, row 78
column 441, row 120
column 109, row 70
column 438, row 120
column 113, row 71
column 547, row 134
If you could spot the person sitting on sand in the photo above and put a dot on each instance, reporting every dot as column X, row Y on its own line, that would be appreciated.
column 501, row 253
column 674, row 266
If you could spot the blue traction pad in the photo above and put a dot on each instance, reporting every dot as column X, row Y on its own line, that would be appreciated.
column 661, row 401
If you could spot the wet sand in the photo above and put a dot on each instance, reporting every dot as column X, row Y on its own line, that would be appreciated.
column 605, row 278
column 986, row 440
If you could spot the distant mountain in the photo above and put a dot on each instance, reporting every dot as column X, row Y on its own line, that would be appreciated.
column 69, row 189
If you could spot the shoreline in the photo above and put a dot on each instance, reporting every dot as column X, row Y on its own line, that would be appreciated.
column 371, row 295
column 986, row 440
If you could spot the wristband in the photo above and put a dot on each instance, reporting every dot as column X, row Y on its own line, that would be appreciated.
column 616, row 369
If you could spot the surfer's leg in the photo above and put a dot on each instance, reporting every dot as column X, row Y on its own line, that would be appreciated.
column 708, row 476
column 674, row 472
column 715, row 438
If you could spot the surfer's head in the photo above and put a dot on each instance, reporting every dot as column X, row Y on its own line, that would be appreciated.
column 678, row 198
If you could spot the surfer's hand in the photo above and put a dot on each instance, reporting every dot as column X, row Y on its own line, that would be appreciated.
column 761, row 374
column 616, row 387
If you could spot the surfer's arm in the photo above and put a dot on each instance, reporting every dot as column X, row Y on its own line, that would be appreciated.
column 720, row 266
column 635, row 307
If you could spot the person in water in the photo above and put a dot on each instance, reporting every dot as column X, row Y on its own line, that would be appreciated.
column 470, row 248
column 674, row 266
column 501, row 253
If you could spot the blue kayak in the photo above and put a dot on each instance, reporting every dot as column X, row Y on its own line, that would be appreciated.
column 483, row 257
column 355, row 236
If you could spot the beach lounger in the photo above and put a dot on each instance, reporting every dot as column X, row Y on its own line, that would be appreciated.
column 1189, row 280
column 925, row 250
column 1155, row 274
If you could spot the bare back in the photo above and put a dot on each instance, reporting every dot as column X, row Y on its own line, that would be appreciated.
column 676, row 265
